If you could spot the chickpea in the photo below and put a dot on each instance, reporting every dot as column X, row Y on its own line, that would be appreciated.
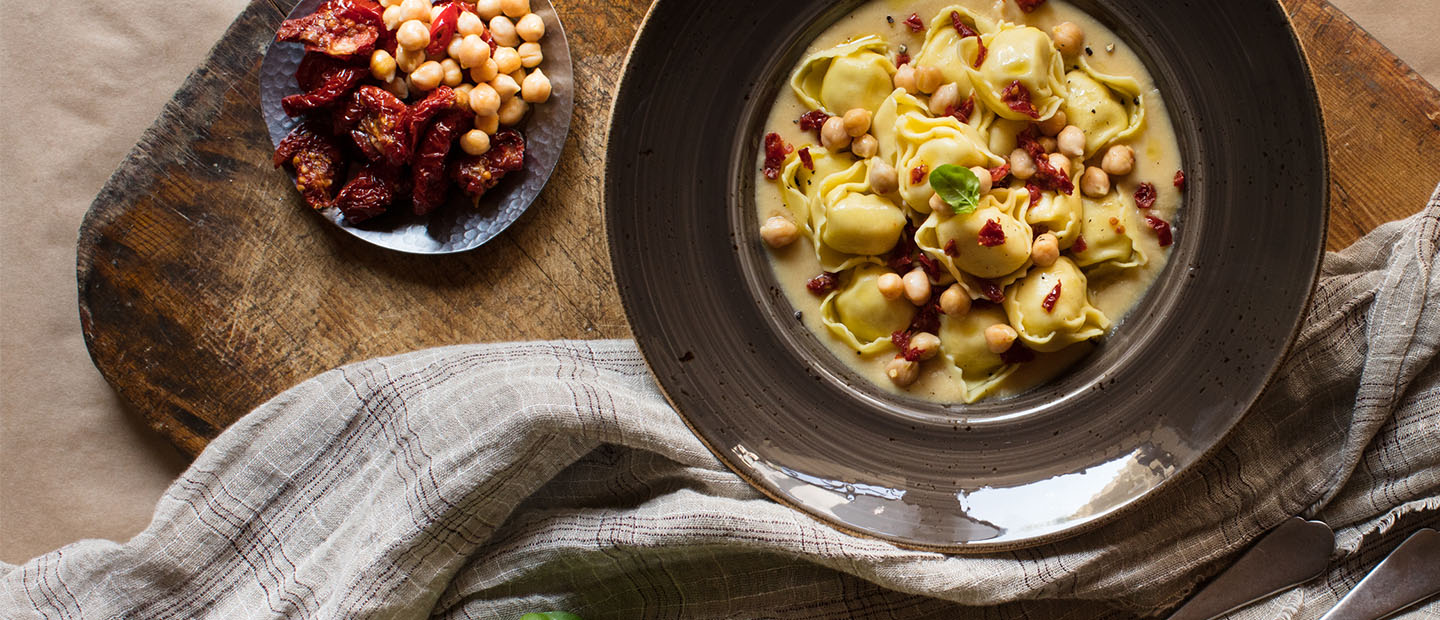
column 507, row 60
column 1072, row 141
column 503, row 30
column 473, row 51
column 1069, row 38
column 469, row 23
column 391, row 17
column 513, row 111
column 415, row 10
column 505, row 86
column 865, row 146
column 938, row 204
column 882, row 177
column 917, row 287
column 902, row 372
column 1118, row 161
column 413, row 35
column 484, row 100
column 398, row 87
column 427, row 76
column 462, row 96
column 453, row 75
column 1094, row 183
column 475, row 142
column 929, row 79
column 1060, row 162
column 945, row 98
column 488, row 123
column 905, row 78
column 1048, row 144
column 926, row 344
column 435, row 13
column 1022, row 166
column 1052, row 126
column 984, row 176
column 530, row 28
column 891, row 285
column 530, row 54
column 408, row 60
column 857, row 122
column 487, row 9
column 452, row 50
column 518, row 75
column 485, row 71
column 833, row 136
column 955, row 301
column 1046, row 250
column 536, row 87
column 779, row 231
column 382, row 65
column 389, row 3
column 515, row 8
column 1000, row 337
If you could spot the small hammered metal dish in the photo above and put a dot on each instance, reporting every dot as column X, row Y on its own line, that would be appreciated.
column 1158, row 395
column 457, row 226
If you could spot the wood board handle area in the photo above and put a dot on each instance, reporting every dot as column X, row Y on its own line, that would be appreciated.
column 205, row 288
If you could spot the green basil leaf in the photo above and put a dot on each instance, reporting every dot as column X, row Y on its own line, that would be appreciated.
column 957, row 186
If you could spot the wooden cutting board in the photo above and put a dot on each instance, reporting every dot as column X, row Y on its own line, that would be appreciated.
column 206, row 288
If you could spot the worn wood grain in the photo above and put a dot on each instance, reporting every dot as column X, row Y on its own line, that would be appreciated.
column 206, row 288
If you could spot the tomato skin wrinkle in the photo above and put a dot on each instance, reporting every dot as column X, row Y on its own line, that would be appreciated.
column 477, row 174
column 991, row 234
column 339, row 28
column 326, row 82
column 1162, row 230
column 315, row 157
column 428, row 167
column 1017, row 97
column 1145, row 195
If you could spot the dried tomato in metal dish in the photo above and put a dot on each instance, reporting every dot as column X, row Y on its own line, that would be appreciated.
column 421, row 113
column 775, row 151
column 315, row 157
column 822, row 284
column 1050, row 300
column 991, row 234
column 1145, row 196
column 1017, row 97
column 477, row 174
column 1029, row 5
column 340, row 28
column 428, row 168
column 380, row 128
column 1162, row 230
column 370, row 193
column 326, row 81
column 914, row 22
column 442, row 28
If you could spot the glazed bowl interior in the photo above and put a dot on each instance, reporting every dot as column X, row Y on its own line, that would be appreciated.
column 775, row 404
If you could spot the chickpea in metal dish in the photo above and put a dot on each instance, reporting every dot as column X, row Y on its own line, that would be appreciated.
column 406, row 98
column 963, row 198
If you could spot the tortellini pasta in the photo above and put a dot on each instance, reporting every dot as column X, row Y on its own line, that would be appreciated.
column 1050, row 308
column 1021, row 54
column 948, row 250
column 852, row 75
column 860, row 316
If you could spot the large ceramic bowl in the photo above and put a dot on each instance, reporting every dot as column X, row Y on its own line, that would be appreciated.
column 766, row 396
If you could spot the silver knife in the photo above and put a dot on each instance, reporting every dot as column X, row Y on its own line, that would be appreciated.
column 1294, row 552
column 1409, row 575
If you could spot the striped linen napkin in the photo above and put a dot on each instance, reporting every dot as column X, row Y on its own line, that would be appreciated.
column 489, row 481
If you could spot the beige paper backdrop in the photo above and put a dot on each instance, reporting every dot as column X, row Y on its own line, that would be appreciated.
column 79, row 82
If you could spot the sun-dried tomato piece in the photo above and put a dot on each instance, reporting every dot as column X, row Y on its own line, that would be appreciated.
column 998, row 174
column 950, row 249
column 901, row 59
column 930, row 266
column 489, row 40
column 822, row 284
column 477, row 174
column 1145, row 196
column 914, row 22
column 340, row 28
column 1180, row 180
column 1029, row 5
column 813, row 121
column 806, row 160
column 927, row 317
column 991, row 290
column 775, row 151
column 981, row 53
column 326, row 82
column 1033, row 190
column 442, row 28
column 428, row 168
column 370, row 193
column 418, row 118
column 380, row 128
column 901, row 339
column 1017, row 354
column 961, row 27
column 1039, row 229
column 1079, row 245
column 1162, row 230
column 1017, row 97
column 901, row 256
column 1046, row 175
column 315, row 157
column 918, row 174
column 1050, row 300
column 991, row 234
column 963, row 111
